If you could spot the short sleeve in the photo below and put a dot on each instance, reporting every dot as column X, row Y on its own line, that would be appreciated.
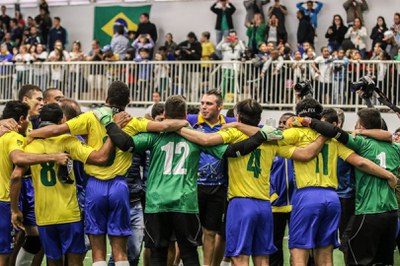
column 290, row 137
column 79, row 124
column 17, row 142
column 217, row 151
column 77, row 149
column 355, row 143
column 286, row 151
column 136, row 125
column 230, row 135
column 144, row 141
column 343, row 151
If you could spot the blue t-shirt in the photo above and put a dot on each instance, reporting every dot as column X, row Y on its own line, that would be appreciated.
column 346, row 181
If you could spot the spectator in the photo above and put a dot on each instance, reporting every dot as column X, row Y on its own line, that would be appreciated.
column 355, row 9
column 119, row 43
column 256, row 32
column 189, row 49
column 323, row 66
column 30, row 22
column 305, row 31
column 298, row 67
column 156, row 99
column 144, row 75
column 22, row 59
column 310, row 11
column 43, row 21
column 60, row 54
column 378, row 31
column 75, row 71
column 271, row 76
column 340, row 77
column 146, row 27
column 7, row 41
column 161, row 77
column 143, row 41
column 96, row 78
column 5, row 19
column 34, row 38
column 396, row 27
column 207, row 47
column 303, row 49
column 57, row 33
column 274, row 33
column 280, row 11
column 57, row 70
column 358, row 35
column 376, row 51
column 40, row 72
column 131, row 37
column 336, row 33
column 391, row 44
column 5, row 55
column 43, row 5
column 276, row 60
column 76, row 53
column 224, row 11
column 252, row 7
column 20, row 18
column 16, row 32
column 170, row 46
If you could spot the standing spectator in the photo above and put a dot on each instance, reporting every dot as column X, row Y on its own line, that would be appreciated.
column 310, row 11
column 274, row 33
column 96, row 79
column 252, row 7
column 358, row 35
column 170, row 46
column 207, row 47
column 43, row 21
column 396, row 27
column 43, row 4
column 16, row 32
column 20, row 18
column 280, row 11
column 161, row 77
column 378, row 31
column 340, row 78
column 305, row 31
column 34, row 38
column 40, row 72
column 143, row 41
column 75, row 71
column 144, row 75
column 256, row 32
column 146, row 27
column 323, row 66
column 335, row 33
column 119, row 43
column 355, row 9
column 30, row 22
column 22, row 59
column 57, row 33
column 224, row 11
column 391, row 44
column 5, row 18
column 57, row 70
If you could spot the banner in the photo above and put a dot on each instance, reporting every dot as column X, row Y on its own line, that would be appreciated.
column 106, row 18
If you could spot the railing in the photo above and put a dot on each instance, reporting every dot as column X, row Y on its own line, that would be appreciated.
column 87, row 82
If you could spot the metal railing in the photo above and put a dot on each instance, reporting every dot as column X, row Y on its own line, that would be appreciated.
column 87, row 82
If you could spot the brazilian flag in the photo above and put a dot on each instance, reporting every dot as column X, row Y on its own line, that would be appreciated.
column 107, row 18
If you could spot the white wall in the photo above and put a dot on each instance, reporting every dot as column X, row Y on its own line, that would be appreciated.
column 180, row 17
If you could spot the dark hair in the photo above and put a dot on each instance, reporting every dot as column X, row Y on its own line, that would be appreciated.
column 118, row 94
column 330, row 115
column 324, row 47
column 193, row 110
column 120, row 29
column 384, row 125
column 144, row 50
column 361, row 24
column 27, row 90
column 249, row 112
column 216, row 93
column 230, row 112
column 15, row 109
column 384, row 22
column 341, row 20
column 15, row 21
column 206, row 34
column 158, row 109
column 57, row 18
column 159, row 94
column 70, row 108
column 175, row 107
column 309, row 107
column 51, row 113
column 46, row 92
column 146, row 15
column 288, row 114
column 370, row 118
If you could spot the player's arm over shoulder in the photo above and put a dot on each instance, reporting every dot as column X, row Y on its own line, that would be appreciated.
column 200, row 138
column 86, row 154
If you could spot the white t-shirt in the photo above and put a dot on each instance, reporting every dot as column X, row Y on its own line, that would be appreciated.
column 325, row 68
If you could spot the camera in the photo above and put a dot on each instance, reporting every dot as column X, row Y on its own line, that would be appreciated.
column 366, row 84
column 231, row 38
column 303, row 88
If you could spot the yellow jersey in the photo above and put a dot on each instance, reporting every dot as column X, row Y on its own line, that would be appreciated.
column 56, row 202
column 321, row 171
column 249, row 175
column 120, row 161
column 9, row 142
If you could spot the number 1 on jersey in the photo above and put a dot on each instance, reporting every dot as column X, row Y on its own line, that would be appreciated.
column 382, row 159
column 170, row 149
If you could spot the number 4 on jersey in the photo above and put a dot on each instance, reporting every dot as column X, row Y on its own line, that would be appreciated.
column 254, row 163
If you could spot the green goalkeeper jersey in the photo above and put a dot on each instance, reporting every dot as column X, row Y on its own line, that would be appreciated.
column 172, row 176
column 373, row 194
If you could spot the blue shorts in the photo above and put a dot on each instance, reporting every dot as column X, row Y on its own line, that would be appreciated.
column 27, row 201
column 315, row 218
column 107, row 207
column 249, row 228
column 60, row 239
column 6, row 229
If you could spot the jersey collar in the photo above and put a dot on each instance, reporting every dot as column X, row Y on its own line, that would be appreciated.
column 201, row 120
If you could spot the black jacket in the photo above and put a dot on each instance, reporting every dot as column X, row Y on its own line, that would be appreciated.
column 194, row 48
column 305, row 31
column 281, row 32
column 337, row 35
column 377, row 36
column 135, row 179
column 147, row 28
column 228, row 13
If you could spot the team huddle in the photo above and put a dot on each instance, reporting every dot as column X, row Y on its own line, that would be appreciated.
column 225, row 183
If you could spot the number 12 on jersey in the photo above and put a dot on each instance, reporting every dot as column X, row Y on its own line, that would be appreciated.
column 181, row 148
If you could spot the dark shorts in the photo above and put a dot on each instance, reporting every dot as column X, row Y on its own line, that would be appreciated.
column 6, row 229
column 372, row 239
column 27, row 201
column 161, row 227
column 212, row 201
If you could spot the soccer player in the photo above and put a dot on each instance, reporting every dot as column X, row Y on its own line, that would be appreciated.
column 107, row 195
column 12, row 144
column 52, row 95
column 212, row 180
column 171, row 198
column 249, row 222
column 372, row 238
column 56, row 205
column 316, row 207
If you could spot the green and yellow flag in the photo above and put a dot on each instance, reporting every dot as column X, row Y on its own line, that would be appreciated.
column 106, row 18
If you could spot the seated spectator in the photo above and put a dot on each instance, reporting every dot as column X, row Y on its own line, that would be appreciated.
column 30, row 22
column 391, row 44
column 378, row 31
column 224, row 11
column 76, row 53
column 34, row 37
column 5, row 55
column 60, row 54
column 311, row 11
column 143, row 41
column 336, row 33
column 376, row 51
column 119, row 43
column 358, row 36
column 57, row 33
column 16, row 32
column 190, row 49
column 170, row 46
column 7, row 41
column 274, row 33
column 108, row 54
column 256, row 32
column 305, row 31
column 20, row 18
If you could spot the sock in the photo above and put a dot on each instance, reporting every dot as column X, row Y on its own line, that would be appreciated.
column 24, row 258
column 99, row 263
column 225, row 263
column 122, row 263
